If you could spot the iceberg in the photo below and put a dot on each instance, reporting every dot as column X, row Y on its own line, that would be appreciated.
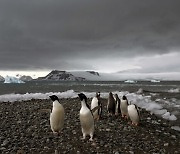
column 130, row 81
column 11, row 79
column 155, row 81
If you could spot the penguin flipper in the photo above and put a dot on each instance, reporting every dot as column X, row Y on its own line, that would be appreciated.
column 95, row 108
column 138, row 111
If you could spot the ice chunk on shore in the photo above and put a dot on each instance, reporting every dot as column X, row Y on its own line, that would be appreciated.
column 146, row 103
column 140, row 91
column 174, row 90
column 11, row 79
column 160, row 112
column 176, row 128
column 153, row 107
column 168, row 116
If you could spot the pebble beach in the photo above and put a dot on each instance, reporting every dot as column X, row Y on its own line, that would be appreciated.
column 25, row 129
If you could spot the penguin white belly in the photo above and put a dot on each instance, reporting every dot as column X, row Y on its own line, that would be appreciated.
column 133, row 114
column 87, row 122
column 123, row 107
column 94, row 103
column 57, row 119
column 117, row 107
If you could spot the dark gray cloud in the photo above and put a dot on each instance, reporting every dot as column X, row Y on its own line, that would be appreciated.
column 45, row 34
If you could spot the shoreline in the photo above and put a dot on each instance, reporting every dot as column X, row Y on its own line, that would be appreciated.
column 24, row 129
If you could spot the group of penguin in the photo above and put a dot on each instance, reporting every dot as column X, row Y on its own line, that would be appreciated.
column 88, row 115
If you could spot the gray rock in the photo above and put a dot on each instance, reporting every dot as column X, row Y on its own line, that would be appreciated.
column 5, row 143
column 3, row 148
column 131, row 152
column 173, row 136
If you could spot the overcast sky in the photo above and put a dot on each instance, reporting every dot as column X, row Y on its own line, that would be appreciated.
column 103, row 35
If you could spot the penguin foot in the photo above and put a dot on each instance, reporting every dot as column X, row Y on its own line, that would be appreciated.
column 135, row 124
column 83, row 138
column 126, row 117
column 116, row 114
column 56, row 133
column 91, row 137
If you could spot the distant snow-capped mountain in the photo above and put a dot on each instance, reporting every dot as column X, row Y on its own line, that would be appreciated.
column 57, row 75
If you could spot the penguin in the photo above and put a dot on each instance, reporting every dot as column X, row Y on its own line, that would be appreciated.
column 134, row 115
column 111, row 104
column 57, row 115
column 123, row 107
column 117, row 101
column 94, row 103
column 86, row 118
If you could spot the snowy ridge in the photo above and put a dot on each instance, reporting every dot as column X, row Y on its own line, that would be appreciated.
column 140, row 100
column 88, row 75
column 57, row 75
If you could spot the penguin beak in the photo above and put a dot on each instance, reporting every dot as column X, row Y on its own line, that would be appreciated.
column 51, row 98
column 79, row 96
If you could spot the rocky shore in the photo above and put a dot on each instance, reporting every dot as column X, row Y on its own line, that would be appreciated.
column 24, row 129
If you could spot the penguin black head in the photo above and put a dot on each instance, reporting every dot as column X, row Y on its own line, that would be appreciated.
column 124, row 97
column 54, row 98
column 116, row 95
column 98, row 94
column 82, row 97
column 110, row 94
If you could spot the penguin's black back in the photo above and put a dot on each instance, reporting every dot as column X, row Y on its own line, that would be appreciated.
column 111, row 104
column 118, row 102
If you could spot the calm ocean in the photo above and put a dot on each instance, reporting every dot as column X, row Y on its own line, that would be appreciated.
column 88, row 86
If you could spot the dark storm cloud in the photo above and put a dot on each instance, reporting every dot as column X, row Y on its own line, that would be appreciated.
column 59, row 34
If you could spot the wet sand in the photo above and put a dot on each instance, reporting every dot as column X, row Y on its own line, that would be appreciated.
column 24, row 128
